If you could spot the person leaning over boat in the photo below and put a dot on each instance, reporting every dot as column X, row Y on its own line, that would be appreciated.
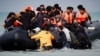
column 45, row 38
column 9, row 21
column 82, row 16
column 64, row 33
column 17, row 22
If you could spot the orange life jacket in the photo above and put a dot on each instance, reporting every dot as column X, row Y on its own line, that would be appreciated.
column 80, row 18
column 68, row 18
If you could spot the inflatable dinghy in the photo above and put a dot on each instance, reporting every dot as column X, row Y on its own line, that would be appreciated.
column 93, row 31
column 18, row 38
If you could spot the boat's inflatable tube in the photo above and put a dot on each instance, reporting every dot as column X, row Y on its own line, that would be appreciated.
column 16, row 39
column 93, row 31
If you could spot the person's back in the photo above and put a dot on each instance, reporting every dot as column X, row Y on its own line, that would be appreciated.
column 26, row 19
column 45, row 38
column 9, row 21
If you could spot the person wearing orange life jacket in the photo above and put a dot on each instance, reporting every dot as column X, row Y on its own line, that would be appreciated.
column 81, row 17
column 68, row 15
column 79, row 7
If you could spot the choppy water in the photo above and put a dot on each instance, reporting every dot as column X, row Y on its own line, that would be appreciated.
column 95, row 51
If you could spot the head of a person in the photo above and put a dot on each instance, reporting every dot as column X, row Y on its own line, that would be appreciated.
column 57, row 18
column 49, row 8
column 82, row 10
column 72, row 9
column 69, row 9
column 18, row 15
column 43, row 11
column 52, row 14
column 38, row 9
column 57, row 12
column 42, row 6
column 22, row 13
column 56, row 6
column 11, row 14
column 46, row 27
column 51, row 20
column 45, row 18
column 60, row 28
column 29, row 8
column 80, row 6
column 30, row 13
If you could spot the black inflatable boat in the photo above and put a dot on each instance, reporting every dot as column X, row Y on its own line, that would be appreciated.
column 18, row 38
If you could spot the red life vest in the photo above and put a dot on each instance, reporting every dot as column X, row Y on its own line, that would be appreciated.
column 16, row 24
column 80, row 18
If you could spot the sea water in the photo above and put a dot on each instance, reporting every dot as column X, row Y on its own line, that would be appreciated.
column 95, row 51
column 3, row 16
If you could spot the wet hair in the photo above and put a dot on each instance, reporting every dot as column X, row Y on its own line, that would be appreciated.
column 10, row 14
column 80, row 6
column 49, row 8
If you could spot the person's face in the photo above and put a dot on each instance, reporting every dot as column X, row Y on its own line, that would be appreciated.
column 43, row 11
column 68, row 11
column 71, row 10
column 82, row 11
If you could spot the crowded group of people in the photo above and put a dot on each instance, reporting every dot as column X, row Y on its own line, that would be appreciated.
column 52, row 27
